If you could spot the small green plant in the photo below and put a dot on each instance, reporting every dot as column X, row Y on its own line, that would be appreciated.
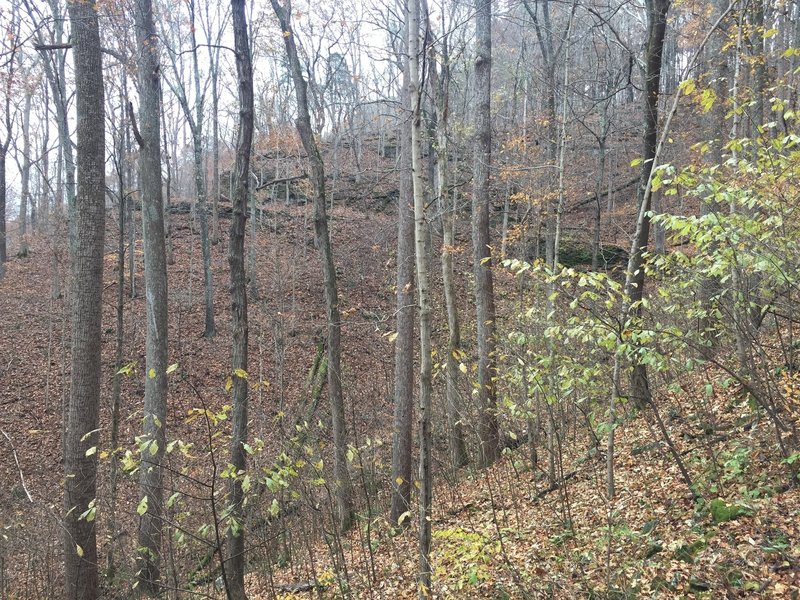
column 463, row 557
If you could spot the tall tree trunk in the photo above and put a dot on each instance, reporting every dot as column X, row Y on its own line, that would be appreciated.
column 656, row 30
column 54, row 68
column 344, row 486
column 440, row 82
column 153, row 440
column 482, row 258
column 3, row 244
column 236, row 549
column 214, row 66
column 25, row 195
column 404, row 343
column 200, row 185
column 44, row 190
column 424, row 295
column 80, row 460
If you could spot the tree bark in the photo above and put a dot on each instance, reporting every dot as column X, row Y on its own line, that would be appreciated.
column 404, row 343
column 3, row 243
column 80, row 461
column 482, row 257
column 153, row 440
column 344, row 486
column 236, row 562
column 25, row 195
column 424, row 295
column 656, row 30
column 453, row 403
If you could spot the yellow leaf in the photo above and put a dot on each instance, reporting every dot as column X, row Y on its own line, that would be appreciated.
column 462, row 367
column 79, row 550
column 151, row 373
column 172, row 368
column 240, row 373
column 399, row 481
column 228, row 384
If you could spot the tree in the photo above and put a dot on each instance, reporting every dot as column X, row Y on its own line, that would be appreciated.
column 656, row 29
column 7, row 57
column 241, row 191
column 195, row 121
column 80, row 460
column 415, row 88
column 25, row 197
column 488, row 432
column 440, row 82
column 402, row 434
column 344, row 486
column 153, row 440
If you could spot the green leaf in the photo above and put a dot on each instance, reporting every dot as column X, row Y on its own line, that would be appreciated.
column 127, row 369
column 142, row 508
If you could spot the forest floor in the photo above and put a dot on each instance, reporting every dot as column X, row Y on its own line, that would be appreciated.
column 503, row 532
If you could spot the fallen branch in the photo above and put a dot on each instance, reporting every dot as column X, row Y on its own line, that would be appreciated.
column 556, row 485
column 19, row 468
column 283, row 180
column 619, row 188
column 301, row 586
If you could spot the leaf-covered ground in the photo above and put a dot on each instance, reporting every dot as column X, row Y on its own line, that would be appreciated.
column 498, row 533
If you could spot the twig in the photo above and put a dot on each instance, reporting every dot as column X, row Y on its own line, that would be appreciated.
column 284, row 180
column 16, row 460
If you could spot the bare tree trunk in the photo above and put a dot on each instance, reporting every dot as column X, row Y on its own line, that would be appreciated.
column 3, row 244
column 404, row 343
column 482, row 258
column 80, row 460
column 214, row 67
column 153, row 440
column 344, row 486
column 236, row 562
column 196, row 125
column 454, row 410
column 26, row 174
column 167, row 187
column 424, row 294
column 656, row 30
column 44, row 190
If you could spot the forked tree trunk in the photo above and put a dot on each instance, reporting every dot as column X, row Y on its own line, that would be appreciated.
column 244, row 142
column 80, row 461
column 153, row 440
column 344, row 486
